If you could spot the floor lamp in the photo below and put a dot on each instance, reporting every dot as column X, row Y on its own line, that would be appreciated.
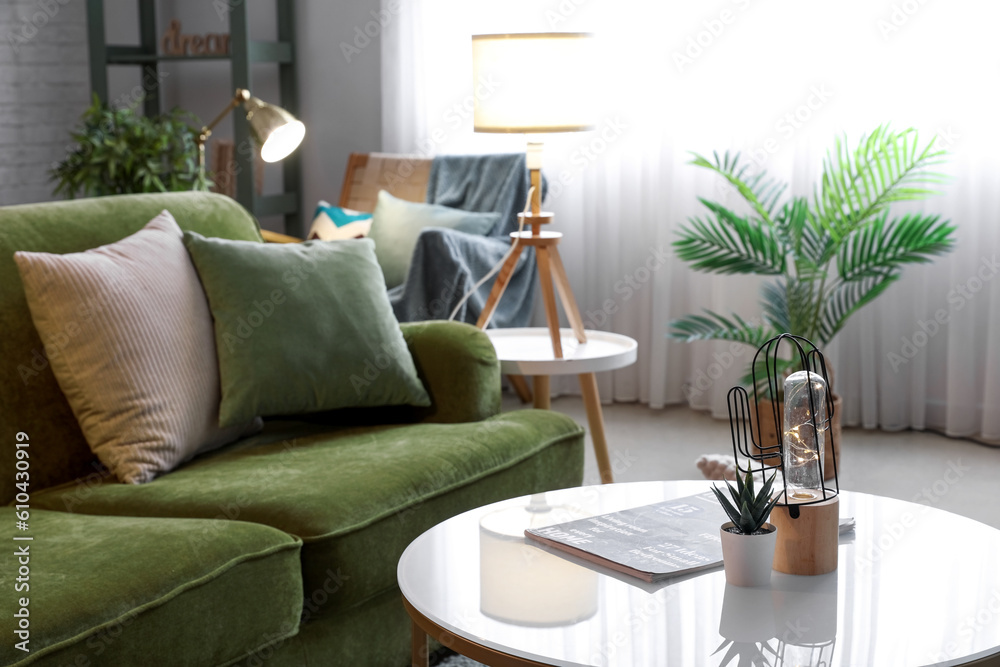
column 540, row 83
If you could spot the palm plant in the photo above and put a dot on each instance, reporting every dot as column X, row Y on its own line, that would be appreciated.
column 830, row 255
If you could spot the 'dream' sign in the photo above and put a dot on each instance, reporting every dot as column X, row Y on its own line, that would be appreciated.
column 176, row 44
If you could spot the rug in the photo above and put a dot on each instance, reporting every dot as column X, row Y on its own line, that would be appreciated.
column 447, row 658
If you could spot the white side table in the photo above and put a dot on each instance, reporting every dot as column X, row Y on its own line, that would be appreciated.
column 528, row 351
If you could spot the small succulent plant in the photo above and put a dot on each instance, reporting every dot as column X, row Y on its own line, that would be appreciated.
column 748, row 510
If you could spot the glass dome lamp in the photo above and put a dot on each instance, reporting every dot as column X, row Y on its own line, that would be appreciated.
column 807, row 511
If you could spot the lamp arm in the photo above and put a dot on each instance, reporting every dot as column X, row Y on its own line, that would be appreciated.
column 241, row 96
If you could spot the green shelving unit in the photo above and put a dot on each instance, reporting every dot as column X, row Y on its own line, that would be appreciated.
column 243, row 52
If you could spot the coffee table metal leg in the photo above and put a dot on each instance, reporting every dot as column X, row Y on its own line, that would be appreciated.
column 418, row 646
column 595, row 418
column 542, row 400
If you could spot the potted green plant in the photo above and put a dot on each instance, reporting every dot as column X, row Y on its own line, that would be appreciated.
column 117, row 151
column 747, row 539
column 828, row 256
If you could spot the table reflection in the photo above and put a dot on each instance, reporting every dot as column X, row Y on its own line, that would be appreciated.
column 522, row 585
column 791, row 623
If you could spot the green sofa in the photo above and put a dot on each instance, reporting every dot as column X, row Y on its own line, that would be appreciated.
column 279, row 549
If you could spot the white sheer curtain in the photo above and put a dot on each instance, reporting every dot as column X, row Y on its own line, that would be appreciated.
column 778, row 80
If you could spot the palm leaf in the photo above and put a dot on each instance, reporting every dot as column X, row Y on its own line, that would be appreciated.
column 803, row 304
column 730, row 244
column 788, row 305
column 713, row 326
column 760, row 192
column 886, row 167
column 883, row 246
column 822, row 245
column 793, row 229
column 757, row 375
column 774, row 301
column 847, row 297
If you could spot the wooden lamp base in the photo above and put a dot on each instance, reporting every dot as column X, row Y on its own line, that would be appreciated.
column 807, row 545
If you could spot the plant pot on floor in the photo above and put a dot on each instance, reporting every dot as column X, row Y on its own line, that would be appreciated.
column 769, row 436
column 748, row 558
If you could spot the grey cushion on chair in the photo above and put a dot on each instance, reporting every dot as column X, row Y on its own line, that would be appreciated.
column 447, row 263
column 397, row 224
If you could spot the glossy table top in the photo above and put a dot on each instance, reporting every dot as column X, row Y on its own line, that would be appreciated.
column 914, row 586
column 528, row 351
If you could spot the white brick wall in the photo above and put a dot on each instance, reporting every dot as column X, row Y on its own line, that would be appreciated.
column 44, row 87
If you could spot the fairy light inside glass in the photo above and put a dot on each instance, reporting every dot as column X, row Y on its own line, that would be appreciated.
column 804, row 436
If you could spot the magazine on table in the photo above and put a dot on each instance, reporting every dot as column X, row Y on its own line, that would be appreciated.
column 652, row 542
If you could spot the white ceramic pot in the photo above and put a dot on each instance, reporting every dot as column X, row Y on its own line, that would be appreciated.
column 748, row 558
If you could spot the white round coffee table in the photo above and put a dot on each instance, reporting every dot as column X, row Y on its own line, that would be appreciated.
column 528, row 351
column 915, row 586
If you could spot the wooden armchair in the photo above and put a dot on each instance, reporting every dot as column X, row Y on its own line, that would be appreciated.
column 401, row 176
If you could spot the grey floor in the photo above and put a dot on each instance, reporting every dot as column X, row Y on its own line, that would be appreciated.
column 954, row 475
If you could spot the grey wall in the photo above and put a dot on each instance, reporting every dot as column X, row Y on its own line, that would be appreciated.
column 45, row 87
column 341, row 100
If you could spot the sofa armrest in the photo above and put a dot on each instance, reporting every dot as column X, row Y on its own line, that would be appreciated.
column 459, row 368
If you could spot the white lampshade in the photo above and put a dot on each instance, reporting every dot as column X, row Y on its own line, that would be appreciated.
column 534, row 82
column 277, row 132
column 283, row 141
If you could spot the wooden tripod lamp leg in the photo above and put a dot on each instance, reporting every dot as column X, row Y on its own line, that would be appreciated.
column 548, row 295
column 503, row 279
column 499, row 287
column 566, row 296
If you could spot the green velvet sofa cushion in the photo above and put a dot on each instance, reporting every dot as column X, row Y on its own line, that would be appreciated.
column 355, row 496
column 302, row 327
column 30, row 398
column 134, row 591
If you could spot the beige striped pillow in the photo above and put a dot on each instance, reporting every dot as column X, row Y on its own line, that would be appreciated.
column 131, row 343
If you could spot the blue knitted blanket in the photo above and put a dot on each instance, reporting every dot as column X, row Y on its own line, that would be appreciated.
column 447, row 263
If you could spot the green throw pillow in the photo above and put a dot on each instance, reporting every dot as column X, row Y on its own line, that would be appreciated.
column 302, row 327
column 397, row 223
